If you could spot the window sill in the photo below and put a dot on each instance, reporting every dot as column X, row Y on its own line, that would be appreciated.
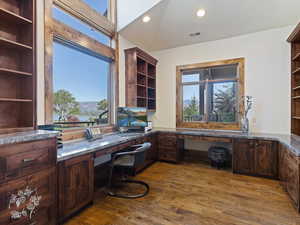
column 209, row 125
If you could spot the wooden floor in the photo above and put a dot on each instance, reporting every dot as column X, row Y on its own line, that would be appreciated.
column 192, row 194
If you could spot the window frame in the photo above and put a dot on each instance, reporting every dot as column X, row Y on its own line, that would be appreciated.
column 56, row 30
column 206, row 124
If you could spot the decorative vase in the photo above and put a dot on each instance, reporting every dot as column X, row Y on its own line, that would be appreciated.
column 245, row 125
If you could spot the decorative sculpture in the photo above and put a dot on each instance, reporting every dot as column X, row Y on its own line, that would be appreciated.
column 248, row 101
column 27, row 200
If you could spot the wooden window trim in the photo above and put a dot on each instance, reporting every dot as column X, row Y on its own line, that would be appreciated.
column 65, row 32
column 209, row 125
column 55, row 29
column 87, row 14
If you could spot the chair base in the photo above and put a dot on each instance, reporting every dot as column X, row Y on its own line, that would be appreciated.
column 113, row 194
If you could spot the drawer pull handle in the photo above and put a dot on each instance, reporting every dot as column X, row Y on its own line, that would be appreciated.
column 28, row 160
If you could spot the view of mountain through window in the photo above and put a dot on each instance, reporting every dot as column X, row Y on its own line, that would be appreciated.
column 81, row 88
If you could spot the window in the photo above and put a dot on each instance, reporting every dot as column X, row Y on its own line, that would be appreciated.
column 80, row 66
column 76, row 24
column 81, row 88
column 101, row 6
column 209, row 94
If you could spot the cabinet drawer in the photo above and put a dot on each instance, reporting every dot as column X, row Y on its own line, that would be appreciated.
column 26, row 158
column 41, row 185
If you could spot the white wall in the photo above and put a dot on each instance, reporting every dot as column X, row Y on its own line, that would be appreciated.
column 267, row 76
column 123, row 44
column 130, row 10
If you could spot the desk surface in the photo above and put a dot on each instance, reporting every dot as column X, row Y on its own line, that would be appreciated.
column 83, row 147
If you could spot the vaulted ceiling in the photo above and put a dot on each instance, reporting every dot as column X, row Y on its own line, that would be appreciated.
column 172, row 21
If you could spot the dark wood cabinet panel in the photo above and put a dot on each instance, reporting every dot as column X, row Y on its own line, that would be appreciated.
column 140, row 79
column 289, row 174
column 19, row 160
column 42, row 186
column 17, row 66
column 76, row 184
column 151, row 156
column 243, row 156
column 169, row 147
column 255, row 157
column 266, row 158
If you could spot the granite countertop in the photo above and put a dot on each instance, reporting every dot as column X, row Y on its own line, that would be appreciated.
column 290, row 141
column 34, row 135
column 82, row 147
column 73, row 149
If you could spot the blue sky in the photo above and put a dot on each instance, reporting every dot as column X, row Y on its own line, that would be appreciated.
column 83, row 75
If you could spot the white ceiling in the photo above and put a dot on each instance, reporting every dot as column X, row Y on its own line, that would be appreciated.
column 173, row 20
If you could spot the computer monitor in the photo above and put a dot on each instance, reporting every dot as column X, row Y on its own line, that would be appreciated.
column 132, row 117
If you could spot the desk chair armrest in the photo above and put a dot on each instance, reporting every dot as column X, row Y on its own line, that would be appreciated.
column 138, row 148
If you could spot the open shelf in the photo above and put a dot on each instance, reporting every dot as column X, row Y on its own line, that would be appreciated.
column 296, row 88
column 296, row 117
column 296, row 71
column 8, row 130
column 296, row 97
column 14, row 72
column 140, row 67
column 17, row 71
column 11, row 17
column 12, row 44
column 14, row 100
column 296, row 57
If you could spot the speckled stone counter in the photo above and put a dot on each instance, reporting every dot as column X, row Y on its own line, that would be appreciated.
column 290, row 141
column 19, row 137
column 78, row 148
column 82, row 147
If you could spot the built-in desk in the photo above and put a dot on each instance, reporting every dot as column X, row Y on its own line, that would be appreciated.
column 29, row 159
column 268, row 155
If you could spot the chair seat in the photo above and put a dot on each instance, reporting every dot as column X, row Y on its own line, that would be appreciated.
column 125, row 161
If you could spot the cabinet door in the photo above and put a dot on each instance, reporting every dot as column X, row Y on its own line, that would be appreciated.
column 292, row 179
column 16, row 195
column 243, row 156
column 76, row 184
column 167, row 148
column 152, row 154
column 282, row 165
column 266, row 158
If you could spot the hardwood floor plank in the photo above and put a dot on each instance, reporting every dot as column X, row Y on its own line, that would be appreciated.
column 195, row 194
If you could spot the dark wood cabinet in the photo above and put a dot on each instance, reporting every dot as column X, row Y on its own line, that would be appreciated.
column 26, row 158
column 140, row 79
column 28, row 171
column 289, row 174
column 294, row 39
column 266, row 158
column 152, row 153
column 76, row 184
column 169, row 147
column 17, row 66
column 255, row 157
column 243, row 156
column 45, row 213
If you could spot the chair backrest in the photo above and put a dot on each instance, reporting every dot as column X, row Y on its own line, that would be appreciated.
column 140, row 155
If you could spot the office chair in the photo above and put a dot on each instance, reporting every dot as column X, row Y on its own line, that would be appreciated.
column 126, row 161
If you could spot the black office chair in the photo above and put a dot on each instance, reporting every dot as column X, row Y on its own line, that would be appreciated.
column 126, row 161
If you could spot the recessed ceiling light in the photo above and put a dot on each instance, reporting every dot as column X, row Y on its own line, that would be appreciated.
column 146, row 19
column 201, row 12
